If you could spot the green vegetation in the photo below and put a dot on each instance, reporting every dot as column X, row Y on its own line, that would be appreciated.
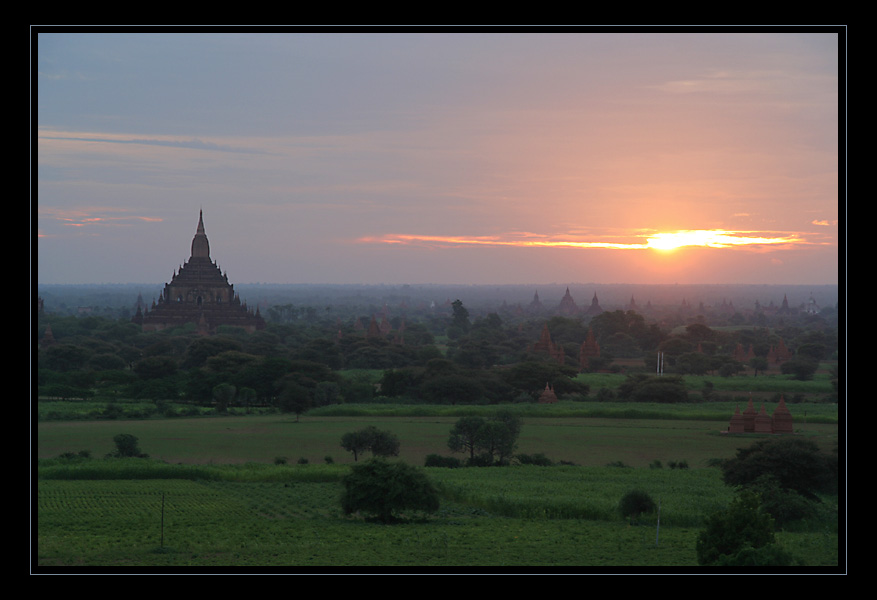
column 109, row 513
column 387, row 490
column 242, row 430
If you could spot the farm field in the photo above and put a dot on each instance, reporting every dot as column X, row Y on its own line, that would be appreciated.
column 555, row 518
column 211, row 496
column 583, row 441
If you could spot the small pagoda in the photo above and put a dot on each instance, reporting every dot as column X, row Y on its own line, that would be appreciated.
column 545, row 345
column 750, row 421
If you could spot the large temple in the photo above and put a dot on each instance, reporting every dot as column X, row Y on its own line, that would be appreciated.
column 199, row 293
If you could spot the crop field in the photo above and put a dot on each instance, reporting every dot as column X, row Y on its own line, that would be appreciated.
column 211, row 496
column 288, row 517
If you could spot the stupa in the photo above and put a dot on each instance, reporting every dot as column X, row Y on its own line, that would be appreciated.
column 199, row 293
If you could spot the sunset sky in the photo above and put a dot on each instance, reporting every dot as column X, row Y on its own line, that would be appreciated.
column 608, row 157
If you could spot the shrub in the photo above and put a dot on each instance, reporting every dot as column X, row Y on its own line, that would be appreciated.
column 436, row 460
column 743, row 526
column 537, row 459
column 635, row 503
column 280, row 460
column 796, row 464
column 383, row 490
column 126, row 446
column 785, row 506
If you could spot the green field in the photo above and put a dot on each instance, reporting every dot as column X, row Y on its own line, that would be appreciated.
column 211, row 495
column 289, row 517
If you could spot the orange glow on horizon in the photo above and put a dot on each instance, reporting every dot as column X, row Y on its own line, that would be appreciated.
column 664, row 241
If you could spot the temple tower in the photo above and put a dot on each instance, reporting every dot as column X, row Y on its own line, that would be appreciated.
column 199, row 293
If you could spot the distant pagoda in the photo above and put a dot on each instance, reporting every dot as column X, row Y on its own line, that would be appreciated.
column 199, row 293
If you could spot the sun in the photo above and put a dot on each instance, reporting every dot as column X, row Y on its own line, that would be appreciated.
column 710, row 238
column 673, row 240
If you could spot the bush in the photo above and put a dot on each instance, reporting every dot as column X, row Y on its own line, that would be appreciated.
column 537, row 459
column 126, row 446
column 383, row 490
column 796, row 464
column 785, row 506
column 436, row 460
column 743, row 527
column 636, row 503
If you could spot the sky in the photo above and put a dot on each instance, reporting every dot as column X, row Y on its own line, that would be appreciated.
column 413, row 157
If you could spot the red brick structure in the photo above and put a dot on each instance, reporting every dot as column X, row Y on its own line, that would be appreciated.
column 751, row 422
column 547, row 346
column 595, row 308
column 736, row 425
column 782, row 418
column 547, row 396
column 589, row 348
column 199, row 293
column 749, row 417
column 763, row 422
column 567, row 305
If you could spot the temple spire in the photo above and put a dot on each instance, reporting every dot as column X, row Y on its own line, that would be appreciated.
column 200, row 245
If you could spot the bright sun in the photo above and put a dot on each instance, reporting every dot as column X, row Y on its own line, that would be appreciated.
column 716, row 238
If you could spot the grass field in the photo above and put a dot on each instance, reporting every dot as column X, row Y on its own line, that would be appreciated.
column 586, row 442
column 288, row 517
column 211, row 496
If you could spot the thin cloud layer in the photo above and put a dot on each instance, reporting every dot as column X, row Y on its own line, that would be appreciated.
column 413, row 157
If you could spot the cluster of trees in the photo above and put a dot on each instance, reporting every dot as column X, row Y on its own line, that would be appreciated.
column 371, row 439
column 779, row 481
column 445, row 358
column 490, row 441
column 384, row 489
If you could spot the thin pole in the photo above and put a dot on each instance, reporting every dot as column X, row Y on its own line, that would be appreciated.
column 658, row 528
column 162, row 520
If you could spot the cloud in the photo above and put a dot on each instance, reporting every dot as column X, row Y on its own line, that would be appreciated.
column 823, row 223
column 655, row 240
column 169, row 141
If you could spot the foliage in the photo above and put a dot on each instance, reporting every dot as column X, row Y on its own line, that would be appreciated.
column 647, row 388
column 794, row 463
column 743, row 526
column 245, row 515
column 126, row 446
column 371, row 439
column 784, row 505
column 487, row 441
column 538, row 459
column 801, row 368
column 437, row 460
column 635, row 503
column 385, row 490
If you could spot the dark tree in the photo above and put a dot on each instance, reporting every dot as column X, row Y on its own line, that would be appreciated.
column 384, row 490
column 126, row 446
column 493, row 440
column 294, row 398
column 794, row 463
column 635, row 503
column 461, row 316
column 466, row 435
column 743, row 527
column 371, row 439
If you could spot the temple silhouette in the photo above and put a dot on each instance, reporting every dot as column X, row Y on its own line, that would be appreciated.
column 198, row 293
